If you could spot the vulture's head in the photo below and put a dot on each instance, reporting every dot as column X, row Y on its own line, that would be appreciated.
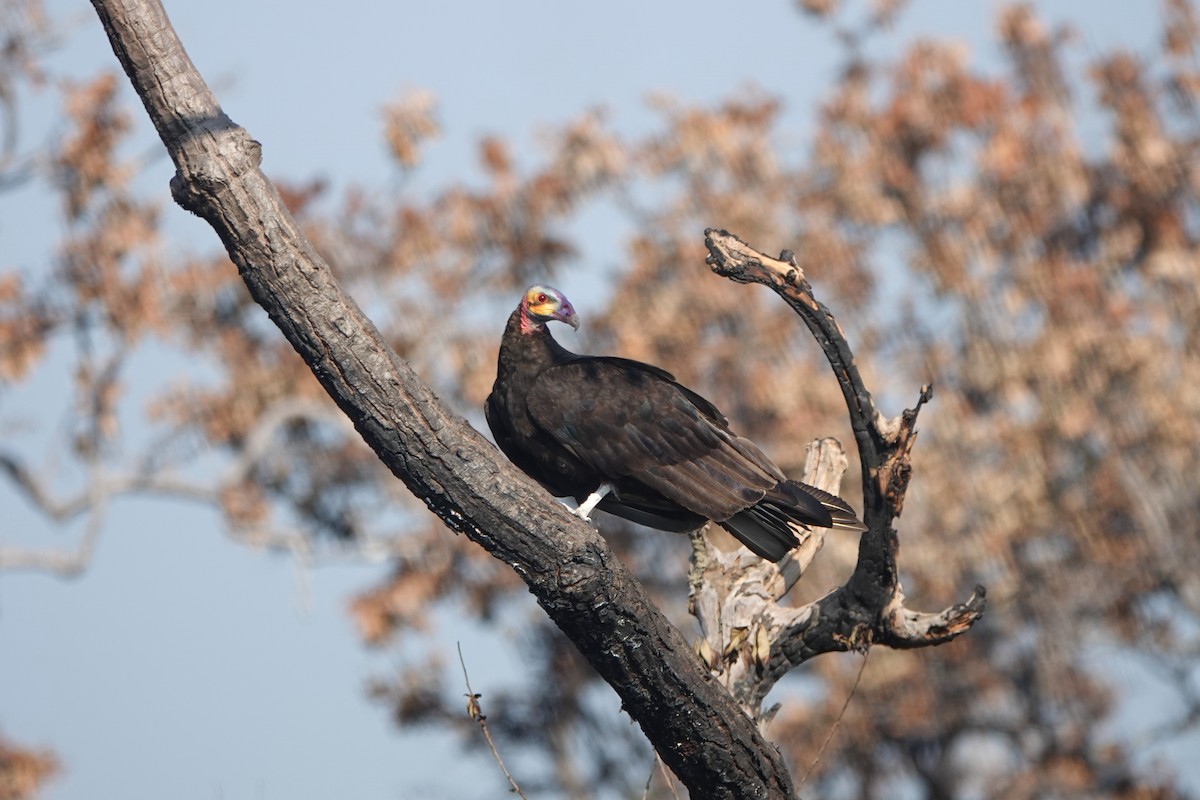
column 544, row 303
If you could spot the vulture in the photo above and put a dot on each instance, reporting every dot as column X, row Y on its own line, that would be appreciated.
column 627, row 438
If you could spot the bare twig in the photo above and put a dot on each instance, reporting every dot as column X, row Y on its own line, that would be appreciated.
column 476, row 713
column 148, row 478
column 35, row 491
column 836, row 723
column 93, row 501
column 661, row 768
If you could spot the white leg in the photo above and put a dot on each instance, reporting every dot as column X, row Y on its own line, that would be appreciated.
column 595, row 497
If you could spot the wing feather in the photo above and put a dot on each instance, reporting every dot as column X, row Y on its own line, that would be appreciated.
column 699, row 487
column 626, row 421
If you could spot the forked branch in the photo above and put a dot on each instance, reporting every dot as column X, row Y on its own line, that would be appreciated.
column 749, row 641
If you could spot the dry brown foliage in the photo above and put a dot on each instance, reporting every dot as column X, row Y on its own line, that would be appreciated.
column 23, row 772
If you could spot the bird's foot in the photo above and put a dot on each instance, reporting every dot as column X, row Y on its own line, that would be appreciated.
column 576, row 511
column 585, row 508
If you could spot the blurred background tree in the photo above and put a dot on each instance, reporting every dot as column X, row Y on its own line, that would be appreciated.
column 1026, row 239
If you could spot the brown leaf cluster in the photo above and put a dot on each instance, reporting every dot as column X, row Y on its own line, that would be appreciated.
column 408, row 122
column 24, row 772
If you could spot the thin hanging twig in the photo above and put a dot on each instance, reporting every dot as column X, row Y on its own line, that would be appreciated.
column 661, row 767
column 836, row 723
column 476, row 713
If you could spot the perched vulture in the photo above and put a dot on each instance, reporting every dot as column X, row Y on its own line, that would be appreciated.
column 626, row 437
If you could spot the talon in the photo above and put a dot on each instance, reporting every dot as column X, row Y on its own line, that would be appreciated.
column 585, row 508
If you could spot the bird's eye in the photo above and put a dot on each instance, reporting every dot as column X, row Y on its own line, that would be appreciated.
column 541, row 298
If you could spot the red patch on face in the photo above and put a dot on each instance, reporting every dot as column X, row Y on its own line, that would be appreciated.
column 528, row 323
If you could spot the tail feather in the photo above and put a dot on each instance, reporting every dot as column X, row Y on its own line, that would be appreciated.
column 764, row 537
column 766, row 528
column 841, row 512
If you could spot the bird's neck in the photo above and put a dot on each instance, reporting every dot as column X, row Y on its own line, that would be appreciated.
column 527, row 324
column 528, row 345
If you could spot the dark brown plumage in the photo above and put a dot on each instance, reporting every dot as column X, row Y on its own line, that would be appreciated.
column 653, row 451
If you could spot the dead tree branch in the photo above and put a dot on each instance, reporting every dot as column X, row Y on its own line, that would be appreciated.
column 869, row 608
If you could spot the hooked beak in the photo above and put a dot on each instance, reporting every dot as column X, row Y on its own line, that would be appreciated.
column 566, row 313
